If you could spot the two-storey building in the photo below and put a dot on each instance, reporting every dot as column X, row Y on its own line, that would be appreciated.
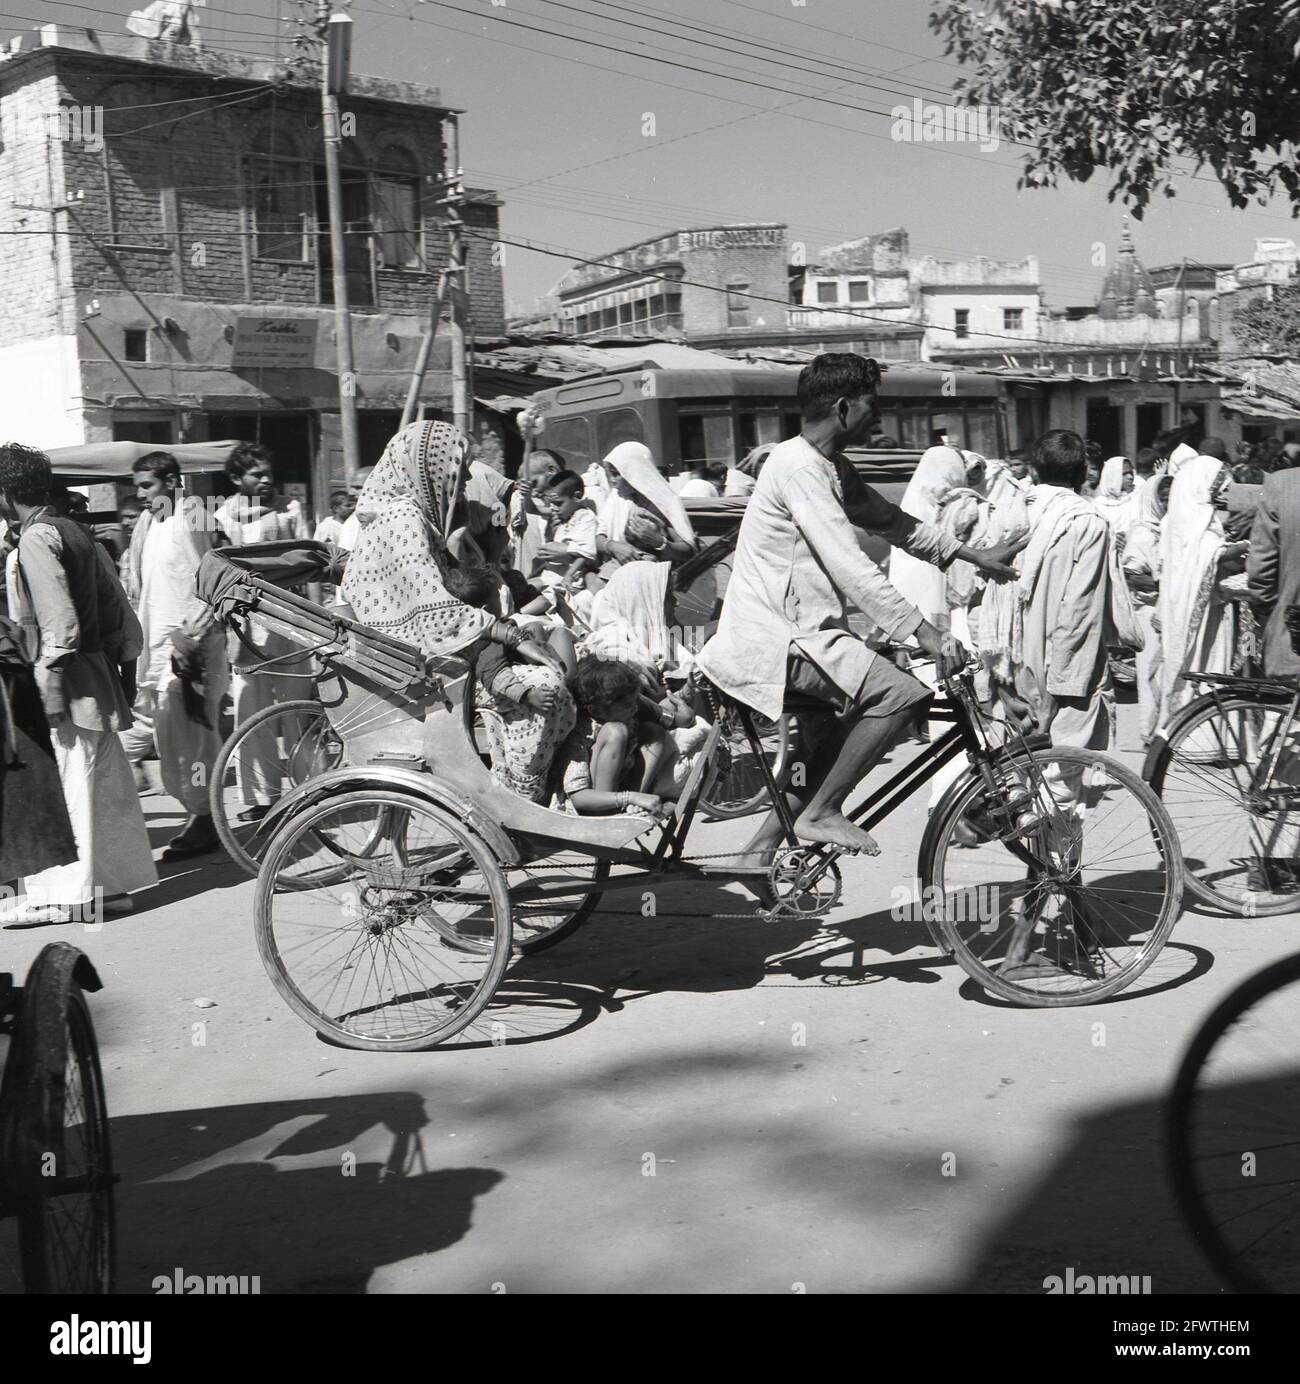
column 164, row 245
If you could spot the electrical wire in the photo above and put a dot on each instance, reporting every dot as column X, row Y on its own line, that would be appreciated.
column 783, row 62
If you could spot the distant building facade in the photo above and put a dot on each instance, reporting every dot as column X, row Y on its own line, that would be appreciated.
column 745, row 286
column 706, row 282
column 1276, row 265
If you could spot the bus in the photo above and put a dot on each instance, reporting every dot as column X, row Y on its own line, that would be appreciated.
column 717, row 415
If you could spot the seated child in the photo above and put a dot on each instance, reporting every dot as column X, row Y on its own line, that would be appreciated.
column 570, row 544
column 622, row 755
column 506, row 675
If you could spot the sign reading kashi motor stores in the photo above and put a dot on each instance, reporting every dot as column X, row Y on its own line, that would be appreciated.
column 286, row 342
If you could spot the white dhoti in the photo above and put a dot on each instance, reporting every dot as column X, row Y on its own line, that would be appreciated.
column 258, row 763
column 1083, row 723
column 113, row 851
column 1149, row 666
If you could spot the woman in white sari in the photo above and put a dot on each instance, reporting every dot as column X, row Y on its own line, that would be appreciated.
column 630, row 621
column 1141, row 567
column 643, row 516
column 1196, row 623
column 939, row 493
column 940, row 471
column 1115, row 499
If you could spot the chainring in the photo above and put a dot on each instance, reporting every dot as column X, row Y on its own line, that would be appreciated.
column 794, row 896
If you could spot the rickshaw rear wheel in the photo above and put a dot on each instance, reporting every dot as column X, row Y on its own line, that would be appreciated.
column 402, row 941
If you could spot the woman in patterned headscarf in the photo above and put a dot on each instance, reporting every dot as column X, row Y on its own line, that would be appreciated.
column 394, row 583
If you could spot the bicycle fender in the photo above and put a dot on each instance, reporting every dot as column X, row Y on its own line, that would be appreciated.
column 418, row 782
column 61, row 964
column 1154, row 750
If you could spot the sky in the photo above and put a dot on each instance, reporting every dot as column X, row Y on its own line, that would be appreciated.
column 594, row 149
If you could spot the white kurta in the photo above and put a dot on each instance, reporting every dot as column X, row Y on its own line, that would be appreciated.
column 168, row 602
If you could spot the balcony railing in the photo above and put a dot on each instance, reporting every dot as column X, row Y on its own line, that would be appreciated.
column 645, row 326
column 818, row 319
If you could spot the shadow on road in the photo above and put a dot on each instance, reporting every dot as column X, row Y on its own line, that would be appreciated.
column 200, row 1193
column 621, row 956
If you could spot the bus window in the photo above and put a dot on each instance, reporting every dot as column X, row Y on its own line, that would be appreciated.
column 615, row 426
column 571, row 437
column 913, row 427
column 706, row 437
column 981, row 431
column 758, row 426
column 791, row 424
column 889, row 426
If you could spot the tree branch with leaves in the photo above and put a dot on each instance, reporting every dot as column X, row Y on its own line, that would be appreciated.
column 1129, row 87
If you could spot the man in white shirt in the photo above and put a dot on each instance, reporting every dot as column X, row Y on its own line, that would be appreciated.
column 183, row 673
column 342, row 504
column 798, row 570
column 255, row 513
column 351, row 527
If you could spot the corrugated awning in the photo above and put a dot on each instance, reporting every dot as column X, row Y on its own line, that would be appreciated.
column 503, row 403
column 1261, row 408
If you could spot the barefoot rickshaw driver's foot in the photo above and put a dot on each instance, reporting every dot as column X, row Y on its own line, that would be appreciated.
column 835, row 829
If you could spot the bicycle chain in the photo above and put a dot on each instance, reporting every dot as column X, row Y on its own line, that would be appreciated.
column 777, row 913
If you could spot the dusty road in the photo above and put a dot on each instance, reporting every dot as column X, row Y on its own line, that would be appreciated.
column 705, row 1105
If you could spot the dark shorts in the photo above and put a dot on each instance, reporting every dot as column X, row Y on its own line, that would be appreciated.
column 886, row 691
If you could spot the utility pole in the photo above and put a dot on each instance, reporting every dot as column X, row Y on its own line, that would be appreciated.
column 337, row 38
column 462, row 404
column 453, row 283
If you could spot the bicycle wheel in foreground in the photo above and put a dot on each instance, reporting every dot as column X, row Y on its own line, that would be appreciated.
column 1233, row 1133
column 1073, row 888
column 292, row 742
column 56, row 1138
column 1240, row 841
column 382, row 920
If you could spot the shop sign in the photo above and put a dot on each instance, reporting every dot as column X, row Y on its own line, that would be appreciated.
column 284, row 342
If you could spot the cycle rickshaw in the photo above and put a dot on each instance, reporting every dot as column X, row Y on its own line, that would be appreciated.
column 396, row 885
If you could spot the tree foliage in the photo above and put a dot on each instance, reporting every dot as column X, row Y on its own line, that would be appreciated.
column 1273, row 325
column 1130, row 86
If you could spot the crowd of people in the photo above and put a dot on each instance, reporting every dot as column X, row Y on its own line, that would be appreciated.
column 1055, row 567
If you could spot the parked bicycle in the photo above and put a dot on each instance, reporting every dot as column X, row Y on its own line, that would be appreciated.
column 1227, row 768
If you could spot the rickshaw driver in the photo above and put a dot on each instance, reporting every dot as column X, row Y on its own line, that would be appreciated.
column 784, row 628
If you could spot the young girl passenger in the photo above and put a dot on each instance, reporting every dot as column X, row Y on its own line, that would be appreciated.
column 612, row 761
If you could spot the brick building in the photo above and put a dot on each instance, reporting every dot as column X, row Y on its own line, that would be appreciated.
column 166, row 254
